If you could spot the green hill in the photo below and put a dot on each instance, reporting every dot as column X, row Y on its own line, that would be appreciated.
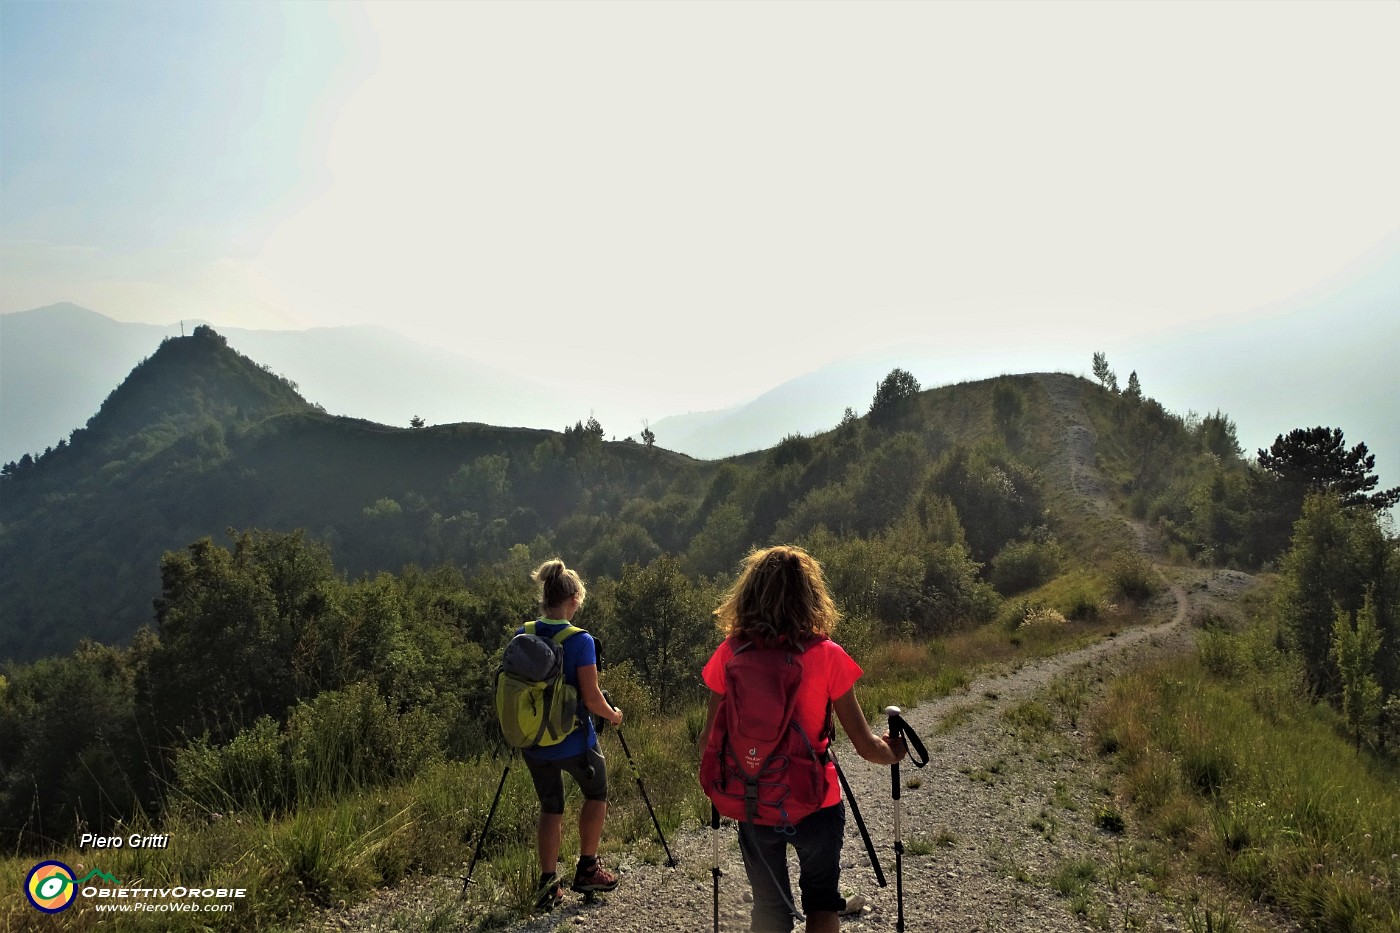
column 199, row 440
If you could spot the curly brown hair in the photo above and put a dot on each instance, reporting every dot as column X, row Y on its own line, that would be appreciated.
column 780, row 595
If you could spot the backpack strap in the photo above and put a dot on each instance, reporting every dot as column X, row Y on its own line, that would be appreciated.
column 828, row 731
column 565, row 633
column 559, row 637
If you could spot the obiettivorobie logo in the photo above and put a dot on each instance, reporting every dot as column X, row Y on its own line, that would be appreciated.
column 52, row 888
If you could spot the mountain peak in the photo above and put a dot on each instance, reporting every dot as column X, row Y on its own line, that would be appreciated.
column 189, row 381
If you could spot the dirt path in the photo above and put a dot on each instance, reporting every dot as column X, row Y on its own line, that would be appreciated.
column 1004, row 830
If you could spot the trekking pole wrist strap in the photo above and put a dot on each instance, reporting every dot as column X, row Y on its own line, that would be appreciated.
column 899, row 729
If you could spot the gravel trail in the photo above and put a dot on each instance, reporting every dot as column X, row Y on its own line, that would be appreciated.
column 1003, row 831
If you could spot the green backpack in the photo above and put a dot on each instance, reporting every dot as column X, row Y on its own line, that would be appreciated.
column 533, row 703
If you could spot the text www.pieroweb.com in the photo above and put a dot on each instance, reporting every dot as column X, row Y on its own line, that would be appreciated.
column 166, row 908
column 182, row 900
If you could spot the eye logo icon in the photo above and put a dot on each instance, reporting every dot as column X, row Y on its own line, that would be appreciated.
column 50, row 887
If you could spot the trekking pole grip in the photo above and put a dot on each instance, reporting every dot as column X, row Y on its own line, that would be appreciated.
column 600, row 722
column 896, row 729
column 901, row 730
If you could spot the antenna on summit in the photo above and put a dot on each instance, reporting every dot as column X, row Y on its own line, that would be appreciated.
column 182, row 328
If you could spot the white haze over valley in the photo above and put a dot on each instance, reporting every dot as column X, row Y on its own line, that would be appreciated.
column 637, row 211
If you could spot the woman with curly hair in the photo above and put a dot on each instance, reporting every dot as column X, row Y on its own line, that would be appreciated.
column 781, row 600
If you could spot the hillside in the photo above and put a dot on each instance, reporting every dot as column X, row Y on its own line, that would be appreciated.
column 58, row 363
column 200, row 439
column 85, row 520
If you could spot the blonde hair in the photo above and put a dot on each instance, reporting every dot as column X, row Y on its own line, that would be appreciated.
column 780, row 595
column 558, row 584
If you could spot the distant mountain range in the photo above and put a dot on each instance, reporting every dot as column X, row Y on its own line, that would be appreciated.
column 1325, row 357
column 59, row 362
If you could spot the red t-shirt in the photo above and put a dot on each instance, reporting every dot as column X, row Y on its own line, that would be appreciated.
column 828, row 672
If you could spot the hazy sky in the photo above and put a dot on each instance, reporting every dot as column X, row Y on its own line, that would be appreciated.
column 695, row 201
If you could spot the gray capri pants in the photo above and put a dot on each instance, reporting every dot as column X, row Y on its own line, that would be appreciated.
column 590, row 770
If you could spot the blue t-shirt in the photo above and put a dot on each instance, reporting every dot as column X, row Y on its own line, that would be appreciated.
column 579, row 651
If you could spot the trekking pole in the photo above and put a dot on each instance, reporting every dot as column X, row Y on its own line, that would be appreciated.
column 899, row 729
column 481, row 840
column 636, row 773
column 860, row 823
column 714, row 870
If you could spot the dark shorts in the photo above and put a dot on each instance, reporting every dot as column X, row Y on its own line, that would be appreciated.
column 590, row 770
column 817, row 840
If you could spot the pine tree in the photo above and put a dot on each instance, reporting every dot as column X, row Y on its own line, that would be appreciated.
column 893, row 398
column 1317, row 460
column 1134, row 390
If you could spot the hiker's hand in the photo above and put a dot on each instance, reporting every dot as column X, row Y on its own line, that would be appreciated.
column 897, row 746
column 618, row 720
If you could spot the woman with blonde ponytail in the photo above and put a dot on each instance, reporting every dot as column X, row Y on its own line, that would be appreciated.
column 561, row 594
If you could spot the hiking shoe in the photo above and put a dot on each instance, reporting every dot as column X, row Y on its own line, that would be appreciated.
column 854, row 905
column 596, row 878
column 551, row 894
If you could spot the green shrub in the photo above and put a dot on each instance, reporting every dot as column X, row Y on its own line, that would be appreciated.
column 340, row 741
column 1024, row 565
column 1110, row 820
column 1074, row 877
column 1132, row 577
column 1081, row 604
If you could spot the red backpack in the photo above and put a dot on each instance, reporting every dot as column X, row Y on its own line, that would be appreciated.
column 759, row 766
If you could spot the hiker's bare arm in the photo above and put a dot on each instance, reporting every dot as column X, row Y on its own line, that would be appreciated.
column 710, row 719
column 873, row 748
column 593, row 697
